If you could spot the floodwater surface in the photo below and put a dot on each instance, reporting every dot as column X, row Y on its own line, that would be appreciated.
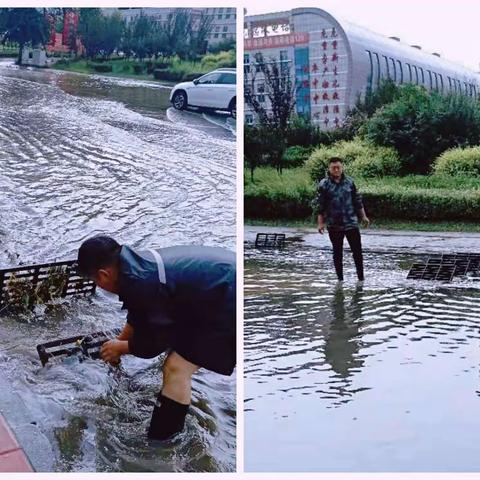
column 83, row 155
column 382, row 376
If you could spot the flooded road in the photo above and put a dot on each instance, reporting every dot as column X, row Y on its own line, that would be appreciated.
column 379, row 377
column 83, row 155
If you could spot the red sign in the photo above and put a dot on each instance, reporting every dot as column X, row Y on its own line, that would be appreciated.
column 276, row 41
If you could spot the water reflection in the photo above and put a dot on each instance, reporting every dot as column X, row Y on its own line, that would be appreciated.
column 343, row 339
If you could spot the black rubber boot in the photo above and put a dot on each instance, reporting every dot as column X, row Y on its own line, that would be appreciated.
column 168, row 418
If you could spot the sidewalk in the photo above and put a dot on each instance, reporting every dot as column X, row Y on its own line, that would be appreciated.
column 23, row 446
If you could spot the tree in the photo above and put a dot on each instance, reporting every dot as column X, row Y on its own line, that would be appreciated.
column 90, row 30
column 25, row 26
column 254, row 148
column 112, row 34
column 200, row 33
column 279, row 89
column 421, row 125
column 177, row 31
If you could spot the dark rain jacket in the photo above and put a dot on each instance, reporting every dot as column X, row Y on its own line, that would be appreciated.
column 339, row 203
column 181, row 298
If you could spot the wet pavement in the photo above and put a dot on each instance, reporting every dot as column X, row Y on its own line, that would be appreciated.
column 83, row 155
column 382, row 376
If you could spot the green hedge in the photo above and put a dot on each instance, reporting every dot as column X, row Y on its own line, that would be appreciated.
column 174, row 76
column 102, row 67
column 290, row 196
column 296, row 156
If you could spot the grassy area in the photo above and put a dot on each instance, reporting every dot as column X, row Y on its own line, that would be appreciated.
column 415, row 201
column 170, row 70
column 120, row 68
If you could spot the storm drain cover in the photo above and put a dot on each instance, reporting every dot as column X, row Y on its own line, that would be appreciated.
column 270, row 240
column 22, row 287
column 82, row 345
column 443, row 267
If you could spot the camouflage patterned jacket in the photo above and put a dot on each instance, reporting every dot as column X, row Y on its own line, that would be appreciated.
column 339, row 203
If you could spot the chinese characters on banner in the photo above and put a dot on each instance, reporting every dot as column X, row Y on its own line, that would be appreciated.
column 329, row 83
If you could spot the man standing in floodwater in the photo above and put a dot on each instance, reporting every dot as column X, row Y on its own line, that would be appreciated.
column 179, row 299
column 339, row 206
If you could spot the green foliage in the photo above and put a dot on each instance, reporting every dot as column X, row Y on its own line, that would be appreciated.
column 224, row 46
column 421, row 125
column 139, row 68
column 23, row 26
column 415, row 197
column 278, row 196
column 100, row 34
column 360, row 158
column 101, row 67
column 459, row 161
column 218, row 60
column 263, row 146
column 180, row 70
column 296, row 156
column 254, row 148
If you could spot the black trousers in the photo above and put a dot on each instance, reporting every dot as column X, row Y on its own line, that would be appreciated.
column 355, row 242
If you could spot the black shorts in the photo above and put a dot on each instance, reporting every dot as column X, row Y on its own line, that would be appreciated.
column 208, row 341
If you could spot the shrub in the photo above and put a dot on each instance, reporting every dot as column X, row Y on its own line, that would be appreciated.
column 101, row 67
column 459, row 161
column 211, row 61
column 360, row 158
column 296, row 156
column 138, row 68
column 223, row 46
column 421, row 125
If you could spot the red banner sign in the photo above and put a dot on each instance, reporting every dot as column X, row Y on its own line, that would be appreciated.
column 276, row 41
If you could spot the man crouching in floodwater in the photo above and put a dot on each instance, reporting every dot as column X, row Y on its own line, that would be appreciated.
column 180, row 299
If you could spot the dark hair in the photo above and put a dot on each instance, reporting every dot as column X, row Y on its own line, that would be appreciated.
column 96, row 253
column 335, row 160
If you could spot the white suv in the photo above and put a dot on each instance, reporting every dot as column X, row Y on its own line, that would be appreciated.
column 216, row 90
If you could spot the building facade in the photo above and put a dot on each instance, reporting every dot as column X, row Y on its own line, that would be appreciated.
column 224, row 20
column 333, row 63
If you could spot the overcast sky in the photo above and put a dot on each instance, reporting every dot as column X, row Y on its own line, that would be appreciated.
column 451, row 28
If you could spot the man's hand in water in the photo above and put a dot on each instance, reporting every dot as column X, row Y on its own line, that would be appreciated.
column 112, row 350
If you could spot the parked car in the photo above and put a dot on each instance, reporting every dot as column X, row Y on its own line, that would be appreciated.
column 216, row 90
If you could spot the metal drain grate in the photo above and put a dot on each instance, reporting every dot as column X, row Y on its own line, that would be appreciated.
column 29, row 280
column 85, row 345
column 443, row 267
column 270, row 240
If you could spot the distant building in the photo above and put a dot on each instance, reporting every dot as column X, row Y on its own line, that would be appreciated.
column 62, row 42
column 334, row 62
column 224, row 19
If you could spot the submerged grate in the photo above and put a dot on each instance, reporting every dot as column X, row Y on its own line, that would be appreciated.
column 84, row 345
column 25, row 286
column 444, row 267
column 270, row 240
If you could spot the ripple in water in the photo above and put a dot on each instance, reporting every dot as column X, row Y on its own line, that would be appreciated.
column 380, row 377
